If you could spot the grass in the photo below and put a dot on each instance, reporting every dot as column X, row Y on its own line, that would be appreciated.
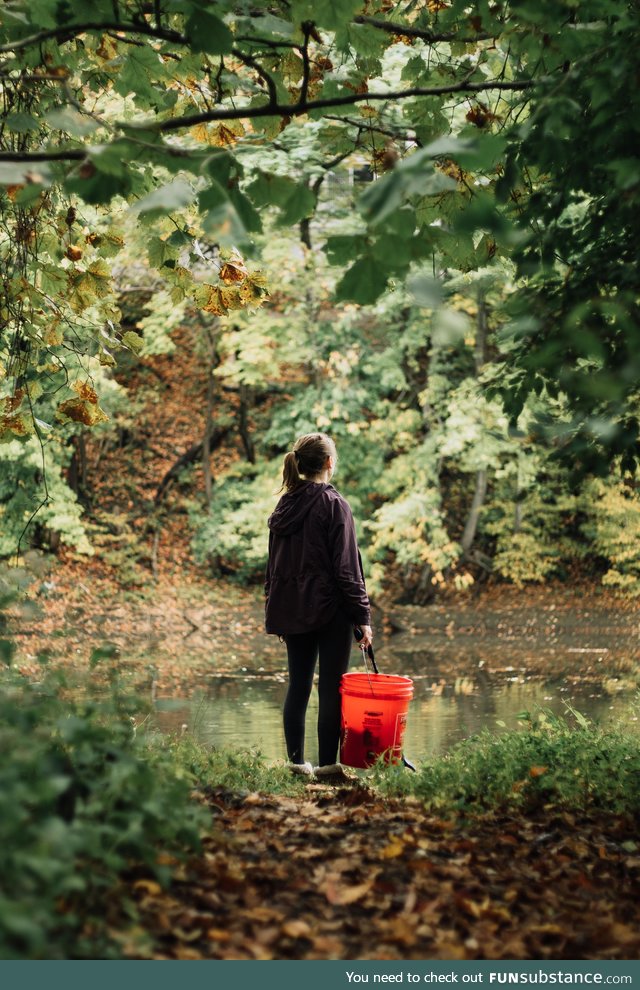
column 567, row 761
column 563, row 760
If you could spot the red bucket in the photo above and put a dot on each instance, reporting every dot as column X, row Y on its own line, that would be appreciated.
column 374, row 716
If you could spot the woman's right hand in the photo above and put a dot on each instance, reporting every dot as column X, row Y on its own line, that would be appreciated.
column 367, row 637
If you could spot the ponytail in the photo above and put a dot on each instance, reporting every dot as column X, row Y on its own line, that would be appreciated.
column 290, row 474
column 306, row 460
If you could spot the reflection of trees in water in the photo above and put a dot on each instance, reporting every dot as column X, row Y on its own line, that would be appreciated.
column 246, row 713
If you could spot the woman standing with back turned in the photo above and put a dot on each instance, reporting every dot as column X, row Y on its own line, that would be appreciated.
column 315, row 594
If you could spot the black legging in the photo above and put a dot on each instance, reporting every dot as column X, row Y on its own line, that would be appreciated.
column 333, row 643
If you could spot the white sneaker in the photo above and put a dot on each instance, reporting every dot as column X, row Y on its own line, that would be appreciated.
column 304, row 769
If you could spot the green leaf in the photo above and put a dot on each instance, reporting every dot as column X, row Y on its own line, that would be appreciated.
column 414, row 175
column 174, row 196
column 133, row 341
column 342, row 248
column 7, row 651
column 140, row 66
column 294, row 200
column 109, row 651
column 427, row 291
column 21, row 123
column 160, row 251
column 477, row 153
column 69, row 120
column 363, row 282
column 207, row 33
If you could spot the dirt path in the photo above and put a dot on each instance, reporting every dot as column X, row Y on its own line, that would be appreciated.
column 342, row 874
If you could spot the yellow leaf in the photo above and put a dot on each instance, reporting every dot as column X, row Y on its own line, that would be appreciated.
column 296, row 929
column 52, row 334
column 232, row 272
column 148, row 887
column 86, row 391
column 211, row 301
column 226, row 134
column 82, row 412
column 200, row 132
column 107, row 48
column 231, row 298
column 15, row 426
column 339, row 893
column 393, row 849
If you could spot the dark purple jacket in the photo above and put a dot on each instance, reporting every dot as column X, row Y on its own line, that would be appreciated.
column 314, row 565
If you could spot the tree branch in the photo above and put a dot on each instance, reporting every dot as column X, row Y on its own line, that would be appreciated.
column 277, row 110
column 405, row 31
column 297, row 109
column 71, row 30
column 386, row 131
column 250, row 61
column 306, row 66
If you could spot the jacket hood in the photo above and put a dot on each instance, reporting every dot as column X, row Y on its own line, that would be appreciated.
column 292, row 509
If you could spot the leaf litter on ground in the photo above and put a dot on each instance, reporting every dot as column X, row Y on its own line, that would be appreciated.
column 344, row 874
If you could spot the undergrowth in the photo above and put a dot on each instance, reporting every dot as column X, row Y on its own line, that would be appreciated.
column 82, row 812
column 242, row 771
column 566, row 761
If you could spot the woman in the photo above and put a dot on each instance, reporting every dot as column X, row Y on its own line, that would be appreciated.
column 315, row 594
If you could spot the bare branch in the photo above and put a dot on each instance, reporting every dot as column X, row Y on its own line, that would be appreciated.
column 406, row 31
column 282, row 110
column 250, row 61
column 297, row 109
column 63, row 33
column 386, row 131
column 306, row 66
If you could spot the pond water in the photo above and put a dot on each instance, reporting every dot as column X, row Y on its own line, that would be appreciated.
column 239, row 712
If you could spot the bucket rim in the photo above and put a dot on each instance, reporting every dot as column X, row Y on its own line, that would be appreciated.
column 393, row 687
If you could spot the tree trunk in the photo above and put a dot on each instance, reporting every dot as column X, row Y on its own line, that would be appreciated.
column 247, row 440
column 208, row 428
column 471, row 524
column 77, row 470
column 480, row 492
column 190, row 456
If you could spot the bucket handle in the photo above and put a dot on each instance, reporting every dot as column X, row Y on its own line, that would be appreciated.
column 368, row 652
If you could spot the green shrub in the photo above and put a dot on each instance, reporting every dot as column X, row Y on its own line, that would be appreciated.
column 613, row 526
column 242, row 771
column 80, row 806
column 233, row 537
column 549, row 760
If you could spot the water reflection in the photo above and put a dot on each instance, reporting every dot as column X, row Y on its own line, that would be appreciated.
column 239, row 713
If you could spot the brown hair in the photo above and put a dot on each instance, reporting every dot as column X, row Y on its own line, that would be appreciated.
column 306, row 460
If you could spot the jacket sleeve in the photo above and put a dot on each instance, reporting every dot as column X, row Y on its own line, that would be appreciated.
column 347, row 564
column 267, row 575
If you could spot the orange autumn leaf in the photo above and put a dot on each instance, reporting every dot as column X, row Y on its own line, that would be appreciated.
column 231, row 272
column 537, row 771
column 226, row 134
column 79, row 411
column 86, row 392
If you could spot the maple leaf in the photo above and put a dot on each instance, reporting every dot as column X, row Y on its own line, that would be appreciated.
column 232, row 272
column 81, row 412
column 12, row 426
column 209, row 298
column 226, row 134
column 87, row 287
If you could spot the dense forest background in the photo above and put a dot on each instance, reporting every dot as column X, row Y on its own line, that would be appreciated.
column 410, row 226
